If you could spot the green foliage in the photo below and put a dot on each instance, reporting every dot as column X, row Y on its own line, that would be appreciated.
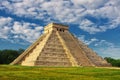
column 7, row 56
column 8, row 72
column 114, row 62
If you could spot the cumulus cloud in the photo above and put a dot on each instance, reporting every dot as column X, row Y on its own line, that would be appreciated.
column 87, row 41
column 90, row 4
column 4, row 29
column 111, row 52
column 26, row 31
column 107, row 49
column 67, row 11
column 14, row 30
column 89, row 26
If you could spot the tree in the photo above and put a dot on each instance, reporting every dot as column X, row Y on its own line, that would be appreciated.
column 0, row 57
column 7, row 56
column 114, row 62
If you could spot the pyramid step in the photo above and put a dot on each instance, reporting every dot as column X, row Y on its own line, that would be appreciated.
column 54, row 37
column 53, row 58
column 53, row 50
column 53, row 63
column 54, row 45
column 53, row 54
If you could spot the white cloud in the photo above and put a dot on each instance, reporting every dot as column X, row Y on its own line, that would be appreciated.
column 5, row 21
column 87, row 41
column 89, row 26
column 90, row 4
column 103, row 43
column 109, row 52
column 71, row 12
column 14, row 30
column 4, row 29
column 27, row 31
column 107, row 49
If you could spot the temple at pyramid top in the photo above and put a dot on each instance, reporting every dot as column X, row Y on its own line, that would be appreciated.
column 55, row 27
column 58, row 47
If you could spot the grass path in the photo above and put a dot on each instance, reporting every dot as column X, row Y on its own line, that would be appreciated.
column 8, row 72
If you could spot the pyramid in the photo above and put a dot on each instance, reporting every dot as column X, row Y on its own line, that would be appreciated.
column 58, row 47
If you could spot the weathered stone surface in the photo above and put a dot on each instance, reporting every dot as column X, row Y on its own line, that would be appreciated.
column 58, row 47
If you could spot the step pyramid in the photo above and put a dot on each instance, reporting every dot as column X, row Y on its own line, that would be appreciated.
column 58, row 47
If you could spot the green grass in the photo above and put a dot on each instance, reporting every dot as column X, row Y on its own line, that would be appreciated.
column 8, row 72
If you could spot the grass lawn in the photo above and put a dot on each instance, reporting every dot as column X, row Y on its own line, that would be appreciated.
column 8, row 72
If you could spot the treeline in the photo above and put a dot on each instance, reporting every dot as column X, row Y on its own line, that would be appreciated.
column 114, row 62
column 7, row 56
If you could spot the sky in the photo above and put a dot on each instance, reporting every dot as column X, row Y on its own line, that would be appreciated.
column 95, row 22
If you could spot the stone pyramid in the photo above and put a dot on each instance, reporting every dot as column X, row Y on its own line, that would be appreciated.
column 58, row 47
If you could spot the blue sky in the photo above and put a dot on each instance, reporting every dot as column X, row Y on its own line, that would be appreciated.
column 95, row 22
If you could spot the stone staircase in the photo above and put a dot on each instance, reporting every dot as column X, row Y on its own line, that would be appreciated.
column 75, row 50
column 53, row 53
column 32, row 55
